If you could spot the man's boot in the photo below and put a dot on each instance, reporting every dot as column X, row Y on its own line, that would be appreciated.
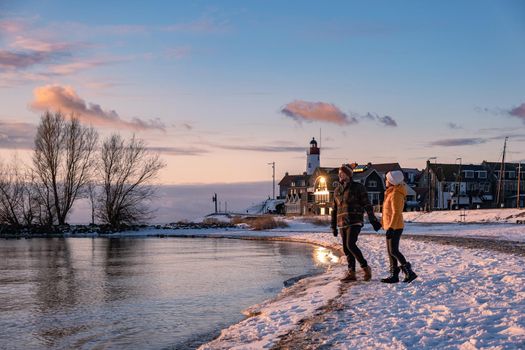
column 349, row 277
column 367, row 273
column 394, row 275
column 409, row 274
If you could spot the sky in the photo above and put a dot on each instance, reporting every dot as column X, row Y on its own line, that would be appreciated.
column 221, row 89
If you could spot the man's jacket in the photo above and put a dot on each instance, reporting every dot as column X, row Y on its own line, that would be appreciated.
column 350, row 203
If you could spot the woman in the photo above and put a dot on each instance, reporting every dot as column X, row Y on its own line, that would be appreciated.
column 392, row 222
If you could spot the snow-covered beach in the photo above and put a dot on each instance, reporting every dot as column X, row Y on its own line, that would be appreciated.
column 466, row 297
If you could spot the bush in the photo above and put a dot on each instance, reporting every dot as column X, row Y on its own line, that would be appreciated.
column 318, row 221
column 211, row 221
column 259, row 223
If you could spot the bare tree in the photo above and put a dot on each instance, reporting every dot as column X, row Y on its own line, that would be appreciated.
column 127, row 169
column 63, row 161
column 17, row 196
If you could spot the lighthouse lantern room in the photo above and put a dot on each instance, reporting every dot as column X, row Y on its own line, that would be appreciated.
column 313, row 160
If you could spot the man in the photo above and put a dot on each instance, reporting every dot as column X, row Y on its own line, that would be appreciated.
column 350, row 203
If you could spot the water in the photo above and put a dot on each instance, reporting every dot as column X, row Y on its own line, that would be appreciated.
column 136, row 293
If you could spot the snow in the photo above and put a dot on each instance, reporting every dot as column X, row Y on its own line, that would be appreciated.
column 463, row 298
column 266, row 206
column 469, row 216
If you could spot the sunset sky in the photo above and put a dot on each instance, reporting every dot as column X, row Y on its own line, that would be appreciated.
column 220, row 89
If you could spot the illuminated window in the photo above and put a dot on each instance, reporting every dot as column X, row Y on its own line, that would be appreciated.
column 321, row 193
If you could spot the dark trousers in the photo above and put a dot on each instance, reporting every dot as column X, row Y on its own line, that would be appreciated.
column 392, row 246
column 352, row 252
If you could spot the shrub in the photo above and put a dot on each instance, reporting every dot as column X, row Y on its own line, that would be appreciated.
column 318, row 221
column 259, row 223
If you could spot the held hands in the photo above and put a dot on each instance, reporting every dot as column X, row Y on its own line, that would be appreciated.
column 334, row 231
column 375, row 224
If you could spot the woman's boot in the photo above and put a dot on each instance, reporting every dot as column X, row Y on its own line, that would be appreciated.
column 349, row 277
column 394, row 276
column 409, row 274
column 367, row 273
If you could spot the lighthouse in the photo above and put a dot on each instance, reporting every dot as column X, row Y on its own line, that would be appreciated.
column 313, row 159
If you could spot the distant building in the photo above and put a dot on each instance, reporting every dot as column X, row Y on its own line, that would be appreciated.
column 509, row 179
column 453, row 186
column 293, row 189
column 415, row 194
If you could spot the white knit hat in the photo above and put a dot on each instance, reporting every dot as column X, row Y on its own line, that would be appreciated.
column 395, row 177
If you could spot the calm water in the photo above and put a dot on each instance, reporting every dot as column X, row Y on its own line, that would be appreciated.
column 136, row 293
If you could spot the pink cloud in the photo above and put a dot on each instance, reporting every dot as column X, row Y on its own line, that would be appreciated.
column 74, row 67
column 317, row 111
column 518, row 112
column 32, row 44
column 65, row 99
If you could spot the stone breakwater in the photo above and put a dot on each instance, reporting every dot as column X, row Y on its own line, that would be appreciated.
column 11, row 231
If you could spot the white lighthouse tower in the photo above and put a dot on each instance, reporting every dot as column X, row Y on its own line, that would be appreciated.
column 313, row 157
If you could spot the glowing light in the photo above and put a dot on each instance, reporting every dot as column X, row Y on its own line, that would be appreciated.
column 325, row 256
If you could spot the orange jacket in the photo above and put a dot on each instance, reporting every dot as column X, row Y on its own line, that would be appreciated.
column 393, row 207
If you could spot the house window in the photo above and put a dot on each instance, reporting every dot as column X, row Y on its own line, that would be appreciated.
column 482, row 174
column 511, row 174
column 293, row 183
column 372, row 183
column 496, row 173
column 469, row 174
column 373, row 197
column 486, row 187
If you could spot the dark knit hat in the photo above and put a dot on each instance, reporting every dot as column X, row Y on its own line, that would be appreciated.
column 347, row 169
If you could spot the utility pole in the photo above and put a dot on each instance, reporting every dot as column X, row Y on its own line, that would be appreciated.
column 519, row 180
column 214, row 199
column 501, row 194
column 273, row 178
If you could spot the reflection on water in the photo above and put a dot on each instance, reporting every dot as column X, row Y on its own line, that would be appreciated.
column 138, row 293
column 325, row 256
